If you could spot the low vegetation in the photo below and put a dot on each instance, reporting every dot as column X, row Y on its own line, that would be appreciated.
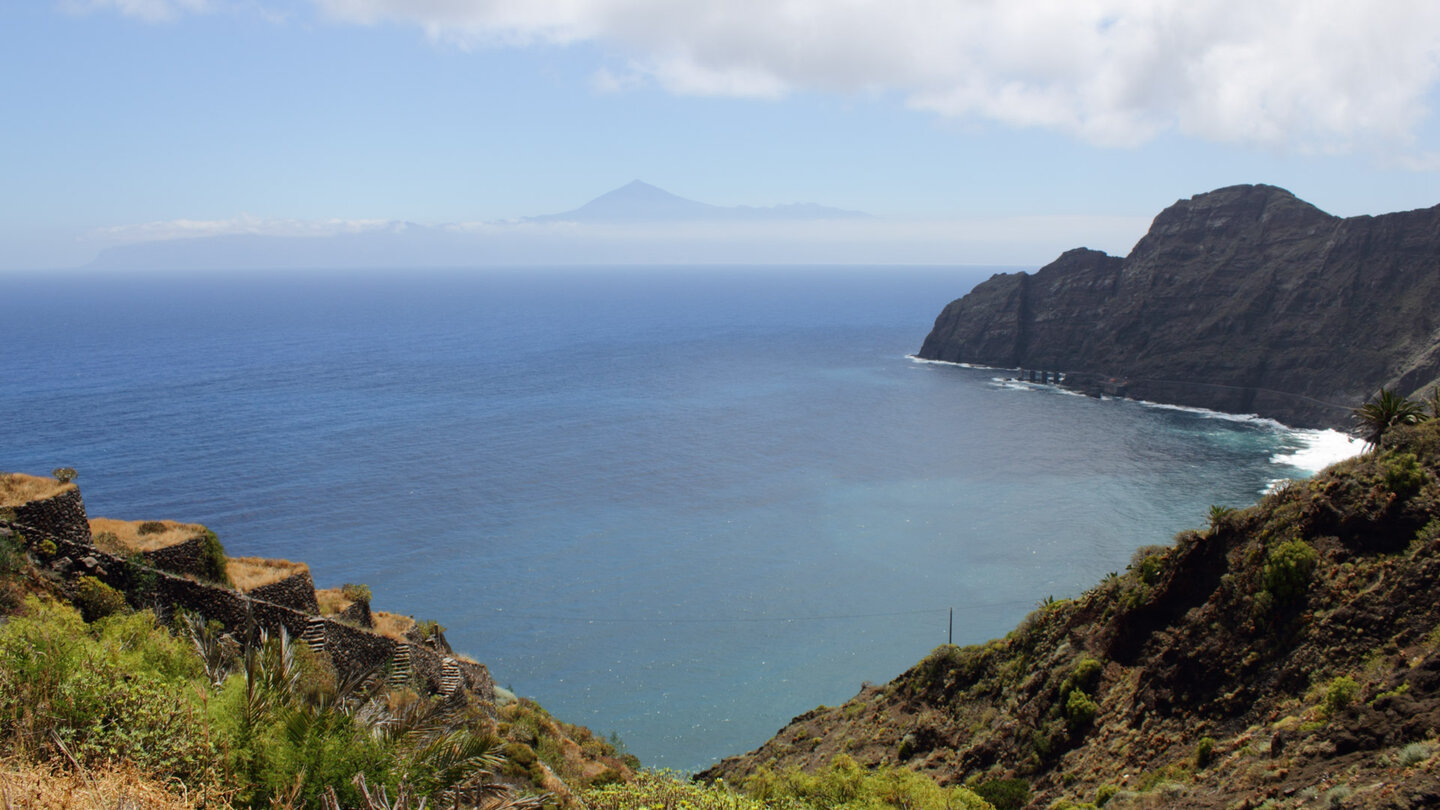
column 19, row 488
column 842, row 785
column 249, row 573
column 99, row 698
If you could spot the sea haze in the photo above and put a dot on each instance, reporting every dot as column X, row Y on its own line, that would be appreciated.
column 678, row 504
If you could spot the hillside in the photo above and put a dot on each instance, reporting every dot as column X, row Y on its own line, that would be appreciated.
column 1286, row 656
column 142, row 666
column 1245, row 300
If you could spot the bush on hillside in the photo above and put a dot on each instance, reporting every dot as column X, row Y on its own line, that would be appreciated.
column 97, row 600
column 118, row 689
column 847, row 786
column 213, row 563
column 1287, row 570
column 356, row 592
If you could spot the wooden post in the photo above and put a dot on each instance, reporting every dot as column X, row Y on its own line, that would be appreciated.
column 950, row 634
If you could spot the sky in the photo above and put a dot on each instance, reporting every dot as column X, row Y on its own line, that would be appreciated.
column 976, row 131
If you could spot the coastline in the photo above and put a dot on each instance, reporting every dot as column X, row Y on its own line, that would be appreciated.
column 1321, row 446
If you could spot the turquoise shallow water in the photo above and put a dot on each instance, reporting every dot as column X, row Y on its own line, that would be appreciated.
column 678, row 504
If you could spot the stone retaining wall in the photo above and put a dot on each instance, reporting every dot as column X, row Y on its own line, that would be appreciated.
column 61, row 515
column 352, row 650
column 296, row 591
column 358, row 614
column 182, row 558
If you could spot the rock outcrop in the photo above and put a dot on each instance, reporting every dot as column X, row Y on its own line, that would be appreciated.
column 1245, row 299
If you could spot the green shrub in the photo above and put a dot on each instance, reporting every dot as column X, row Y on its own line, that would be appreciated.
column 1005, row 794
column 1336, row 796
column 64, row 474
column 1076, row 703
column 844, row 785
column 118, row 689
column 1105, row 793
column 1204, row 752
column 46, row 548
column 1287, row 570
column 1148, row 562
column 97, row 600
column 213, row 563
column 1086, row 674
column 151, row 527
column 1339, row 695
column 1403, row 474
column 428, row 628
column 1413, row 754
column 1079, row 710
column 665, row 790
column 356, row 592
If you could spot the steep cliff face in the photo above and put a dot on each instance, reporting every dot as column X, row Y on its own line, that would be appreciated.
column 1244, row 299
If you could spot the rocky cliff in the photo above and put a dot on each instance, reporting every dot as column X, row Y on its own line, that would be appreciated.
column 1245, row 299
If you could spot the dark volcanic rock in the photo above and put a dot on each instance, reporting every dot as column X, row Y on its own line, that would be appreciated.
column 1244, row 299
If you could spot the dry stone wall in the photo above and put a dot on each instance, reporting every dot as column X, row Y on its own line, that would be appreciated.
column 61, row 516
column 181, row 558
column 296, row 591
column 352, row 650
column 358, row 614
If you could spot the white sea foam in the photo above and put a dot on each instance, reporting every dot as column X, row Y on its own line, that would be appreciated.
column 927, row 361
column 1319, row 449
column 1248, row 418
column 1316, row 450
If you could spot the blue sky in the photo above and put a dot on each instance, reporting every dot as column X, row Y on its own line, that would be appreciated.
column 1001, row 131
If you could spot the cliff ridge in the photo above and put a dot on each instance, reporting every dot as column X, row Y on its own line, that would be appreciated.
column 1245, row 299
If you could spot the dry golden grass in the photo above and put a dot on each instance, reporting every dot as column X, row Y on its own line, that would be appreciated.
column 392, row 625
column 43, row 787
column 249, row 573
column 19, row 488
column 331, row 601
column 129, row 540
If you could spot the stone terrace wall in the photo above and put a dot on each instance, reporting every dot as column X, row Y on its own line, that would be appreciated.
column 61, row 515
column 477, row 680
column 296, row 591
column 357, row 613
column 353, row 651
column 181, row 558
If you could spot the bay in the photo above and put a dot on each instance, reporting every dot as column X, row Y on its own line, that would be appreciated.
column 677, row 504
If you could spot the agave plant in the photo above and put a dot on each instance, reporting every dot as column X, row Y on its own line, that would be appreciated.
column 1386, row 411
column 1219, row 515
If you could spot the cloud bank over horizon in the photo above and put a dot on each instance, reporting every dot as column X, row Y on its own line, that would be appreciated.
column 257, row 243
column 1313, row 76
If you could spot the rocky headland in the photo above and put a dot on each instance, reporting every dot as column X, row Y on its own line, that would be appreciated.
column 1244, row 299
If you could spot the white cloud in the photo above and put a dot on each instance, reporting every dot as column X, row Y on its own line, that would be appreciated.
column 1032, row 240
column 1296, row 75
column 170, row 229
column 1307, row 75
column 148, row 10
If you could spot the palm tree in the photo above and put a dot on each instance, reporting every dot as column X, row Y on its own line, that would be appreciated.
column 1386, row 411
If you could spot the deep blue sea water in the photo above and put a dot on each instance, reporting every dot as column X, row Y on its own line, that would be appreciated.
column 678, row 504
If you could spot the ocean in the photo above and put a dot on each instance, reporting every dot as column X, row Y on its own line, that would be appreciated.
column 678, row 505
